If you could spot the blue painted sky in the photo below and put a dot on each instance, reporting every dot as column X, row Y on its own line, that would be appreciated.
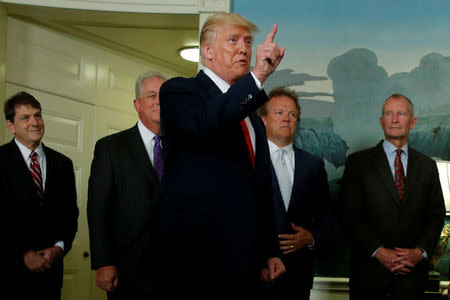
column 399, row 32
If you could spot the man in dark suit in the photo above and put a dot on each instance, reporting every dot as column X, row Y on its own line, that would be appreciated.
column 123, row 198
column 39, row 199
column 215, row 223
column 300, row 194
column 393, row 210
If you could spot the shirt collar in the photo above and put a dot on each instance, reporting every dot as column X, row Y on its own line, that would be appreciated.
column 390, row 148
column 273, row 147
column 146, row 134
column 27, row 151
column 221, row 84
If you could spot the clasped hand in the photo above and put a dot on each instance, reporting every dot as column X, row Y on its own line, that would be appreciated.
column 399, row 260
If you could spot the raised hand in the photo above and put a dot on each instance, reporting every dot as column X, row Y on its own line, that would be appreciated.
column 268, row 56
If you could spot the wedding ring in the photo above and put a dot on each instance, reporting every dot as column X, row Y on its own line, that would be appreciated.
column 292, row 246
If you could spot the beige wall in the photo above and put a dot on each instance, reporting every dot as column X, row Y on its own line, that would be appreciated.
column 86, row 92
column 3, row 22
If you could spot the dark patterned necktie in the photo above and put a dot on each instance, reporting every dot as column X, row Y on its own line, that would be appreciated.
column 157, row 157
column 35, row 170
column 399, row 174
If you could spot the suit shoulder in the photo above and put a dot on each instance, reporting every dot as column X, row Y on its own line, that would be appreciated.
column 309, row 156
column 362, row 154
column 117, row 137
column 420, row 156
column 178, row 83
column 5, row 147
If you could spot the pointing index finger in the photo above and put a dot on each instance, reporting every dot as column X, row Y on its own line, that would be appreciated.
column 271, row 35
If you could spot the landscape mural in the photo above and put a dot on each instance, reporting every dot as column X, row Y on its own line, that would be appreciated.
column 344, row 58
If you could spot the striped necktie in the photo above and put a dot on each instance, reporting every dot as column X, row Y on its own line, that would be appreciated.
column 36, row 173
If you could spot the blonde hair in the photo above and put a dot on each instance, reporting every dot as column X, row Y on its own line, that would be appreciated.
column 217, row 20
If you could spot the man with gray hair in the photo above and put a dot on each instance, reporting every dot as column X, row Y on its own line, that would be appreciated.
column 393, row 211
column 124, row 196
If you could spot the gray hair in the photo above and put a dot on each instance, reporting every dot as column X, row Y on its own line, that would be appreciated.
column 143, row 77
column 399, row 96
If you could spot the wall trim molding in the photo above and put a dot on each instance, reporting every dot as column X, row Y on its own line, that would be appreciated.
column 143, row 6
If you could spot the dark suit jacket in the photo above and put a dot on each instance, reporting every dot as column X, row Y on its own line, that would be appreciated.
column 123, row 200
column 217, row 213
column 310, row 208
column 30, row 226
column 376, row 217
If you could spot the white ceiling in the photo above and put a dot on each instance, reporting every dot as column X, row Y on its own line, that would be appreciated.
column 155, row 38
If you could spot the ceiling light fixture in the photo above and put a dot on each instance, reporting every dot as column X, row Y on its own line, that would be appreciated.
column 190, row 53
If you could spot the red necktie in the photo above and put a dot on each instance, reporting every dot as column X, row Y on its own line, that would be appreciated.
column 35, row 170
column 249, row 142
column 399, row 174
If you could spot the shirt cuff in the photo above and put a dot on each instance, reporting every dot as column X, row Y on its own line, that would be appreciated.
column 60, row 244
column 258, row 83
column 424, row 253
column 375, row 252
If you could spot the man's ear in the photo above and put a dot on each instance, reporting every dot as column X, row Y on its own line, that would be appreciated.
column 137, row 105
column 263, row 118
column 11, row 127
column 207, row 50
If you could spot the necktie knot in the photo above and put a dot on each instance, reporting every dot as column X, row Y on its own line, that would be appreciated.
column 34, row 155
column 399, row 152
column 157, row 139
column 281, row 155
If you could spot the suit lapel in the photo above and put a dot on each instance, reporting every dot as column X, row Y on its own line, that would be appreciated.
column 260, row 134
column 213, row 90
column 208, row 85
column 412, row 171
column 299, row 176
column 381, row 164
column 139, row 153
column 20, row 171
